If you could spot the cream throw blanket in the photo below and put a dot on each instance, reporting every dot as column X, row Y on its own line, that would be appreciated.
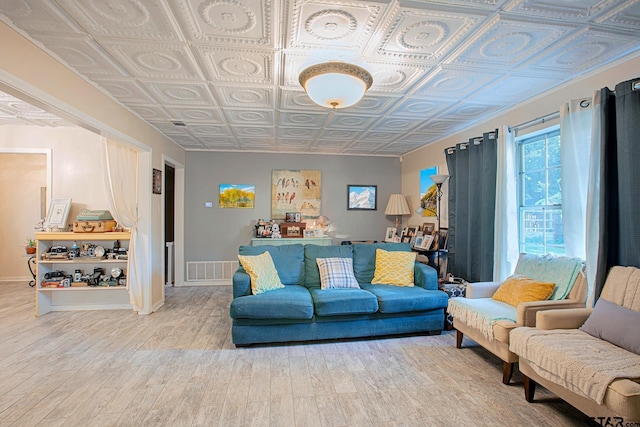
column 574, row 359
column 481, row 313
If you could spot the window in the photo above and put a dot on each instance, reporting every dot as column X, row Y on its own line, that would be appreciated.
column 539, row 193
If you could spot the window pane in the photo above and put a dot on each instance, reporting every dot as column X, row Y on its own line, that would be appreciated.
column 553, row 150
column 555, row 192
column 534, row 188
column 533, row 154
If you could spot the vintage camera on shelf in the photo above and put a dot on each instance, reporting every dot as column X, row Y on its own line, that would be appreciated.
column 118, row 253
column 56, row 279
column 56, row 252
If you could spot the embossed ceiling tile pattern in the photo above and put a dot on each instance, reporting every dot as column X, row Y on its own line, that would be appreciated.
column 374, row 103
column 565, row 9
column 207, row 130
column 297, row 100
column 450, row 82
column 582, row 51
column 180, row 93
column 625, row 15
column 328, row 134
column 425, row 34
column 438, row 125
column 228, row 21
column 420, row 108
column 245, row 96
column 150, row 112
column 81, row 53
column 148, row 20
column 254, row 117
column 469, row 112
column 504, row 42
column 237, row 65
column 382, row 137
column 195, row 114
column 350, row 121
column 394, row 124
column 253, row 131
column 302, row 119
column 154, row 60
column 297, row 132
column 513, row 88
column 127, row 91
column 332, row 25
column 395, row 78
column 38, row 16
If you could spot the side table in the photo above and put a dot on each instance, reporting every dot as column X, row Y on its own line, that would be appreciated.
column 453, row 290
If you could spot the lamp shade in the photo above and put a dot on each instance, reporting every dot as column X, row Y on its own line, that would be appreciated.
column 335, row 84
column 439, row 179
column 397, row 205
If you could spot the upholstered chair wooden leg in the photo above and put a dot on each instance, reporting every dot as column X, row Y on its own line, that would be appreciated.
column 529, row 388
column 459, row 336
column 507, row 372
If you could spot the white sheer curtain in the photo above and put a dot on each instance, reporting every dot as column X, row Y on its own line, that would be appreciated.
column 506, row 225
column 121, row 178
column 575, row 147
column 593, row 226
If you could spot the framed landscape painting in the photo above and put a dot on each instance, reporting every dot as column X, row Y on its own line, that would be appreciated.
column 362, row 197
column 237, row 196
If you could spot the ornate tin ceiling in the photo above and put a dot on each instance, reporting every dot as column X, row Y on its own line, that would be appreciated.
column 223, row 74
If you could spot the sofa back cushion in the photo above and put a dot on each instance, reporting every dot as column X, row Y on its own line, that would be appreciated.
column 622, row 287
column 288, row 259
column 560, row 270
column 364, row 258
column 312, row 252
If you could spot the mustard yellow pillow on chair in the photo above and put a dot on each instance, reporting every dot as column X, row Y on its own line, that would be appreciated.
column 516, row 289
column 394, row 268
column 262, row 271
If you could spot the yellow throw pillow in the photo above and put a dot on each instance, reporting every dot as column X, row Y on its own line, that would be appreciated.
column 394, row 268
column 263, row 273
column 516, row 289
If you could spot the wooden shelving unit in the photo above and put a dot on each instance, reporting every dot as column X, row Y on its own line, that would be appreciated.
column 79, row 298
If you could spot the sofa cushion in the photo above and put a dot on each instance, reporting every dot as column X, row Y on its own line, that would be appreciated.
column 290, row 302
column 364, row 258
column 615, row 324
column 394, row 268
column 336, row 273
column 517, row 288
column 336, row 302
column 312, row 252
column 264, row 276
column 288, row 259
column 396, row 299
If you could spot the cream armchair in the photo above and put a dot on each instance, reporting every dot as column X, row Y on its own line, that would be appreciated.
column 493, row 334
column 592, row 374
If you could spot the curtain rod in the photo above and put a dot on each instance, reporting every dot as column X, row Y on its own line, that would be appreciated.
column 535, row 121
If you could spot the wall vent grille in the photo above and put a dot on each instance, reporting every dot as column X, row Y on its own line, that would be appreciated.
column 211, row 272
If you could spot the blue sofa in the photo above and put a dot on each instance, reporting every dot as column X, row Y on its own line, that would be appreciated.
column 302, row 311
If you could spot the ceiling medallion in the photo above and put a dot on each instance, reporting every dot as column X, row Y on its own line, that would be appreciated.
column 335, row 84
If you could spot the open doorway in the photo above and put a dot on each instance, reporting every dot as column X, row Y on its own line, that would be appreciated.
column 169, row 224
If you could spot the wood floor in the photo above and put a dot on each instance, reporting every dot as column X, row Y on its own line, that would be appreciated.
column 178, row 367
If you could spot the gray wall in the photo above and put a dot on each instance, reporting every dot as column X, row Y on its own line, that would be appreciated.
column 214, row 234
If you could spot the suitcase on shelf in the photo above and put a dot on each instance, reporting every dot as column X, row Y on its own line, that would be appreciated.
column 99, row 226
column 94, row 215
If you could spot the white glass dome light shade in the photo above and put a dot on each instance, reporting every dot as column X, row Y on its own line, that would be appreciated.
column 335, row 84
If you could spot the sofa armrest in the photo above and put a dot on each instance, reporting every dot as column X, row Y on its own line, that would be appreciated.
column 526, row 312
column 241, row 284
column 425, row 276
column 481, row 289
column 570, row 318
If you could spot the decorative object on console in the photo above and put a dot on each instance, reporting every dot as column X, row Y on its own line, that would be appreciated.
column 292, row 229
column 397, row 206
column 30, row 247
column 57, row 214
column 335, row 84
column 237, row 196
column 439, row 180
column 362, row 197
column 295, row 191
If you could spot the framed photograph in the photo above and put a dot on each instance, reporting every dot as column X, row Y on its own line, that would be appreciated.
column 427, row 241
column 388, row 237
column 418, row 242
column 236, row 196
column 157, row 181
column 412, row 241
column 309, row 233
column 442, row 239
column 293, row 217
column 58, row 213
column 362, row 197
column 428, row 227
column 408, row 233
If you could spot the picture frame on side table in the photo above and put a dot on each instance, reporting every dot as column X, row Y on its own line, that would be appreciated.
column 57, row 214
column 428, row 227
column 388, row 237
column 427, row 241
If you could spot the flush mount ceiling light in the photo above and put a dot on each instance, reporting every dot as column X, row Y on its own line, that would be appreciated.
column 335, row 84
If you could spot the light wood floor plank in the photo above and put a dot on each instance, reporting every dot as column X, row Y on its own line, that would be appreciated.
column 178, row 366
